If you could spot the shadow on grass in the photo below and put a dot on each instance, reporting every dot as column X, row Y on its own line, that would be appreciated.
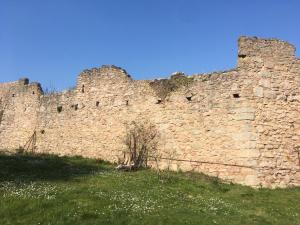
column 34, row 167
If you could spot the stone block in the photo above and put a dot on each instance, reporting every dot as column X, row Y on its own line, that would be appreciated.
column 252, row 180
column 244, row 136
column 265, row 83
column 244, row 116
column 258, row 92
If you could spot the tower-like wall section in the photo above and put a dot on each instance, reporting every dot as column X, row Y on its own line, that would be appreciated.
column 241, row 125
column 276, row 92
column 19, row 104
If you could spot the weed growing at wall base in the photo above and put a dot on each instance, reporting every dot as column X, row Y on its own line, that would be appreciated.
column 47, row 189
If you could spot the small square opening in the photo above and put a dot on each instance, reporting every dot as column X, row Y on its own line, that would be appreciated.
column 236, row 95
column 59, row 109
column 189, row 98
column 97, row 103
column 75, row 106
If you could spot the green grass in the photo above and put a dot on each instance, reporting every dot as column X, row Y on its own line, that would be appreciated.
column 45, row 189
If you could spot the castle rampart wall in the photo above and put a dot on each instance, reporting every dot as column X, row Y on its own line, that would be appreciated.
column 241, row 125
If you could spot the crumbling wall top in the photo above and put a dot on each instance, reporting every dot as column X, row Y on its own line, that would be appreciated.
column 253, row 46
column 104, row 70
column 24, row 81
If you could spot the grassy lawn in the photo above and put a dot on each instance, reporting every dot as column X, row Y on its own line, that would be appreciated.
column 72, row 190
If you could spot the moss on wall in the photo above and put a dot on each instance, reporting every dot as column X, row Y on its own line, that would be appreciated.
column 164, row 87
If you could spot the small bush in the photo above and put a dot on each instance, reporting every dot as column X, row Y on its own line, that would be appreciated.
column 141, row 140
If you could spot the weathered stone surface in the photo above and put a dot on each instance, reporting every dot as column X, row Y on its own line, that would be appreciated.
column 245, row 116
column 258, row 91
column 241, row 125
column 252, row 180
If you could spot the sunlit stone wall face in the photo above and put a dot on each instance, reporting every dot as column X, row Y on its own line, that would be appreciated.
column 241, row 125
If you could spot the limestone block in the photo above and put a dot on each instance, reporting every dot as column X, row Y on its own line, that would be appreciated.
column 297, row 131
column 244, row 153
column 252, row 180
column 269, row 64
column 258, row 91
column 268, row 154
column 244, row 136
column 249, row 145
column 244, row 116
column 265, row 83
column 269, row 94
column 245, row 109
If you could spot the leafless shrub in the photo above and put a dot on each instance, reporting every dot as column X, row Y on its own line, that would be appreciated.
column 141, row 140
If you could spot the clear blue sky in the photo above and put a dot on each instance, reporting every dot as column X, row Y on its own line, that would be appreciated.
column 53, row 41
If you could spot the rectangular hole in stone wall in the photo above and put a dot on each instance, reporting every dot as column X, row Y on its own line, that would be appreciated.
column 189, row 98
column 236, row 95
column 33, row 93
column 159, row 101
column 13, row 95
column 127, row 102
column 82, row 89
column 75, row 106
column 59, row 109
column 1, row 115
column 97, row 103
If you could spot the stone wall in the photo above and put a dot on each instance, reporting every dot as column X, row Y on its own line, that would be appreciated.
column 241, row 125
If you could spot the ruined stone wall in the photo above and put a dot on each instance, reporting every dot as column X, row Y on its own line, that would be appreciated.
column 19, row 103
column 241, row 125
column 276, row 92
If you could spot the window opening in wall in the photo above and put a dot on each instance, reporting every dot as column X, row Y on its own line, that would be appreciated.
column 189, row 98
column 75, row 106
column 82, row 89
column 242, row 56
column 1, row 115
column 97, row 103
column 59, row 109
column 236, row 95
column 127, row 102
column 158, row 101
column 13, row 95
column 33, row 93
column 42, row 131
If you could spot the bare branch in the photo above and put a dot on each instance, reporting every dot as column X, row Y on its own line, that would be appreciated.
column 141, row 140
